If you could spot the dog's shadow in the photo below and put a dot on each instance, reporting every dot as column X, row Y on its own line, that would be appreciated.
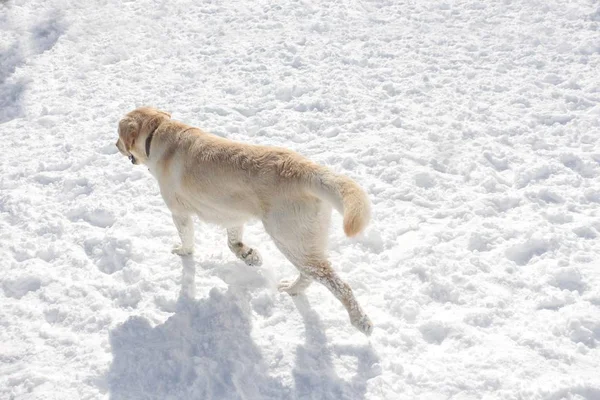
column 205, row 351
column 314, row 374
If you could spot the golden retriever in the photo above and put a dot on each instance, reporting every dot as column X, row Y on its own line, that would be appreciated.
column 227, row 183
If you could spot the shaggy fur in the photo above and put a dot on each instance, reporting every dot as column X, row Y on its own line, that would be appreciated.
column 227, row 183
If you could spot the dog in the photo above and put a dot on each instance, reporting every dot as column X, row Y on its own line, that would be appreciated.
column 227, row 183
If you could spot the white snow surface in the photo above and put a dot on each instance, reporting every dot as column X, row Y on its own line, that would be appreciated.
column 473, row 126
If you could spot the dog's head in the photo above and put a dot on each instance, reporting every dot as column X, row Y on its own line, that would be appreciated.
column 137, row 125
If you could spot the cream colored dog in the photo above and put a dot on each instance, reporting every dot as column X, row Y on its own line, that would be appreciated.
column 228, row 183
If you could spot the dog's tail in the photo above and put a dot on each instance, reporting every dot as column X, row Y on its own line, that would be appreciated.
column 345, row 195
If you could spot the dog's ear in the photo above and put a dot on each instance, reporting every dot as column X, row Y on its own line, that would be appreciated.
column 165, row 113
column 151, row 122
column 128, row 132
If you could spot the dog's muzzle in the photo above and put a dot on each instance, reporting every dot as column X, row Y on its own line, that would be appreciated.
column 132, row 158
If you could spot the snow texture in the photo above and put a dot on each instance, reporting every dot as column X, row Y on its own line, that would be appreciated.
column 473, row 126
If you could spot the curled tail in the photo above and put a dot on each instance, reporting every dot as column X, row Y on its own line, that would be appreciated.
column 346, row 196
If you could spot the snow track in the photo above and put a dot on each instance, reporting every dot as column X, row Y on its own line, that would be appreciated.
column 473, row 126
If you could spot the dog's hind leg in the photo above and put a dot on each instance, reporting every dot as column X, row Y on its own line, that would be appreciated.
column 247, row 254
column 322, row 272
column 295, row 287
column 300, row 233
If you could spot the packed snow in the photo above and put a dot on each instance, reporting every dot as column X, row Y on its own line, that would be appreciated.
column 473, row 126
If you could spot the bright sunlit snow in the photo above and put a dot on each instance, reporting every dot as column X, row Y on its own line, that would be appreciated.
column 474, row 126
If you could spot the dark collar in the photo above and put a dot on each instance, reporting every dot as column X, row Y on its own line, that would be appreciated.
column 148, row 142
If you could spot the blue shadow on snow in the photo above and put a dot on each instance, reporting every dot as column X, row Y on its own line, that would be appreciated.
column 205, row 351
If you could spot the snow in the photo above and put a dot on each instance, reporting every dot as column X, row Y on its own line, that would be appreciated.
column 473, row 126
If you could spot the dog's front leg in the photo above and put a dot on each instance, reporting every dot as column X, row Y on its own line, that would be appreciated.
column 249, row 255
column 185, row 228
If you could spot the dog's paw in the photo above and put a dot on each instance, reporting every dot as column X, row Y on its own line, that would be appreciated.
column 287, row 286
column 252, row 258
column 182, row 251
column 363, row 324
